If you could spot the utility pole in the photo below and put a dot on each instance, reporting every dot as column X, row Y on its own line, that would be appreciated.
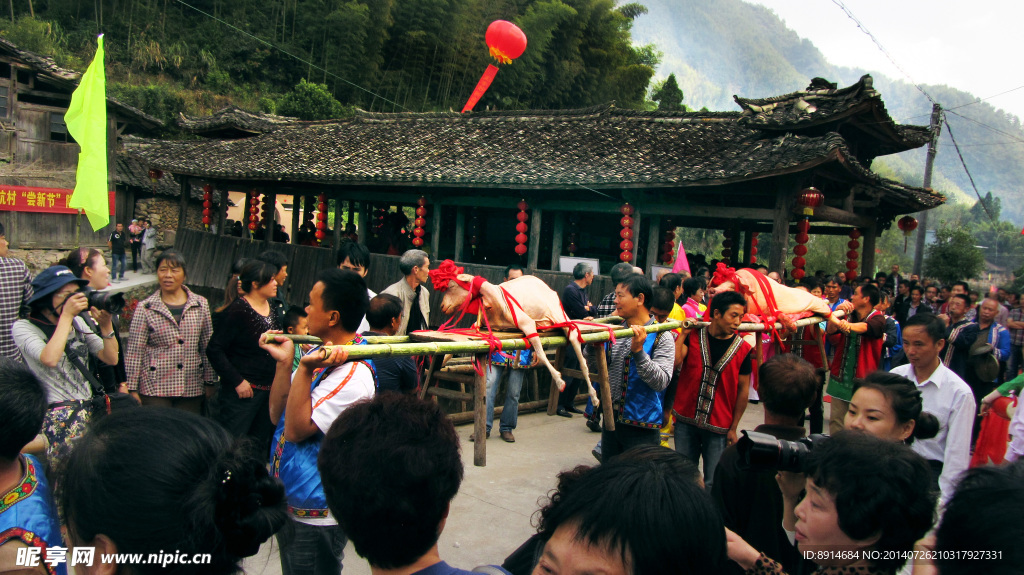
column 922, row 228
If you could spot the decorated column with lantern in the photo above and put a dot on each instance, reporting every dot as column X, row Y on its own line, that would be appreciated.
column 522, row 227
column 417, row 231
column 626, row 245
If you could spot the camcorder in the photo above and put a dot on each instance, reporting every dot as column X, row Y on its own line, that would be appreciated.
column 761, row 451
column 104, row 301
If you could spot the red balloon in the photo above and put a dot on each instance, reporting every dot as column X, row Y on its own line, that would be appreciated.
column 626, row 256
column 522, row 206
column 799, row 249
column 853, row 244
column 627, row 210
column 802, row 238
column 626, row 222
column 799, row 262
column 421, row 202
column 418, row 232
column 852, row 255
column 521, row 238
column 798, row 274
column 521, row 227
column 854, row 234
column 505, row 40
column 206, row 220
column 626, row 245
column 626, row 233
column 320, row 235
column 520, row 249
column 421, row 211
column 522, row 216
column 803, row 226
column 417, row 242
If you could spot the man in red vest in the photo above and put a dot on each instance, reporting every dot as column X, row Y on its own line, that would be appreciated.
column 858, row 351
column 714, row 381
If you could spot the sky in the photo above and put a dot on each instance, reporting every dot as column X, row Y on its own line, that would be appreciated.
column 973, row 46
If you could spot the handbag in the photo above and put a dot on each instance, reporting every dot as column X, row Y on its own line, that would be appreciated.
column 102, row 403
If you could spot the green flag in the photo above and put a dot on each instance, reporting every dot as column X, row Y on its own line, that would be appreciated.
column 87, row 123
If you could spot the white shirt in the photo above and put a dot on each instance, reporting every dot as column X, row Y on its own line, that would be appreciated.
column 951, row 401
column 345, row 385
column 364, row 326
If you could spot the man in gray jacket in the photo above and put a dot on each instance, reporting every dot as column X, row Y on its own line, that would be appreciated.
column 415, row 266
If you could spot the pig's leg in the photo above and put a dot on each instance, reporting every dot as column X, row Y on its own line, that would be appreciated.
column 529, row 327
column 575, row 343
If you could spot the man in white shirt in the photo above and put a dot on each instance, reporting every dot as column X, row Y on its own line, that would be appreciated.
column 355, row 256
column 944, row 395
column 303, row 405
column 415, row 266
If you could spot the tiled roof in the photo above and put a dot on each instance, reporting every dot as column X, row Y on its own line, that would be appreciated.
column 69, row 79
column 132, row 173
column 232, row 119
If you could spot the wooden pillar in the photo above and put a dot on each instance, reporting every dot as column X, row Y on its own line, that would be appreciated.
column 534, row 245
column 784, row 202
column 606, row 391
column 296, row 216
column 867, row 254
column 460, row 232
column 636, row 241
column 556, row 240
column 748, row 242
column 339, row 224
column 434, row 212
column 268, row 229
column 186, row 191
column 222, row 210
column 480, row 413
column 364, row 222
column 653, row 243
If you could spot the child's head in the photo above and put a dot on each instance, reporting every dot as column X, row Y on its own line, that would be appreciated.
column 295, row 321
column 22, row 407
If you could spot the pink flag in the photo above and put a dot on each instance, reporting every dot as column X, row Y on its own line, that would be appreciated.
column 681, row 264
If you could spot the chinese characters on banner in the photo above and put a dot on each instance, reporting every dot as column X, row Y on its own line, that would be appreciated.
column 33, row 199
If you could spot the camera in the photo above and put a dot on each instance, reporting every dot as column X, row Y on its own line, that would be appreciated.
column 760, row 451
column 104, row 301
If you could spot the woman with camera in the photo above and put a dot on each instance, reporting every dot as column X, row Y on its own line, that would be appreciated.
column 167, row 363
column 246, row 371
column 56, row 343
column 865, row 502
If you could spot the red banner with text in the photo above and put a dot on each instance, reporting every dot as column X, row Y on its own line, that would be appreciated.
column 33, row 199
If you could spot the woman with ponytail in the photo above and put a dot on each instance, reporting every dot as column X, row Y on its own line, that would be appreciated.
column 170, row 483
column 889, row 406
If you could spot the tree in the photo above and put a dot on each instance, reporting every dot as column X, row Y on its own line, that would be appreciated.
column 953, row 256
column 311, row 101
column 669, row 96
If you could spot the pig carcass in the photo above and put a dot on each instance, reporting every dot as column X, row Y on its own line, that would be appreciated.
column 526, row 304
column 769, row 299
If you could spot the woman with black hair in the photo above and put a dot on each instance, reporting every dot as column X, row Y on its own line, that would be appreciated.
column 246, row 371
column 170, row 331
column 867, row 501
column 169, row 483
column 56, row 344
column 889, row 406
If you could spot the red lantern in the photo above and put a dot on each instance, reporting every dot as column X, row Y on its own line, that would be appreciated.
column 207, row 204
column 799, row 262
column 800, row 250
column 418, row 242
column 418, row 232
column 505, row 41
column 802, row 238
column 798, row 274
column 419, row 222
column 851, row 265
column 206, row 221
column 521, row 238
column 421, row 211
column 421, row 202
column 855, row 234
column 908, row 224
column 522, row 227
column 727, row 243
column 626, row 222
column 626, row 256
column 753, row 248
column 522, row 216
column 154, row 175
column 853, row 244
column 522, row 206
column 626, row 233
column 520, row 249
column 726, row 253
column 320, row 235
column 626, row 245
column 321, row 217
column 627, row 210
column 810, row 198
column 852, row 255
column 803, row 226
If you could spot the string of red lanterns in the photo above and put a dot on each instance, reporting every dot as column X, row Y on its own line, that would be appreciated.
column 474, row 230
column 417, row 231
column 851, row 256
column 522, row 227
column 207, row 204
column 668, row 248
column 727, row 247
column 753, row 248
column 254, row 210
column 626, row 245
column 572, row 235
column 321, row 218
column 800, row 250
column 907, row 224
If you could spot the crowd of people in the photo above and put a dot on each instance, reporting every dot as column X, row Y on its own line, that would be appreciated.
column 232, row 434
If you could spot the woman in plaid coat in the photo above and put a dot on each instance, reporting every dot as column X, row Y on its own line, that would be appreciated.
column 166, row 356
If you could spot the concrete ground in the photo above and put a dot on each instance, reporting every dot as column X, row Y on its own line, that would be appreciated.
column 131, row 279
column 492, row 514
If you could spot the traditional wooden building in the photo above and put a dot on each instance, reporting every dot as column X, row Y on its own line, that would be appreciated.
column 736, row 171
column 38, row 157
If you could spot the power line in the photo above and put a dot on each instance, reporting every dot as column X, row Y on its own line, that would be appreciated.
column 949, row 129
column 287, row 53
column 864, row 29
column 983, row 99
column 986, row 126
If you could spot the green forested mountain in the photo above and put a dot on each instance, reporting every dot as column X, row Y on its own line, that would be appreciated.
column 718, row 48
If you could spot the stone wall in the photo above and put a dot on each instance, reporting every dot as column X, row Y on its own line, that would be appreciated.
column 163, row 212
column 38, row 260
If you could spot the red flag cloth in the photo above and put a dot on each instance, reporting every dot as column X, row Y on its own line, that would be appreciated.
column 994, row 435
column 481, row 87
